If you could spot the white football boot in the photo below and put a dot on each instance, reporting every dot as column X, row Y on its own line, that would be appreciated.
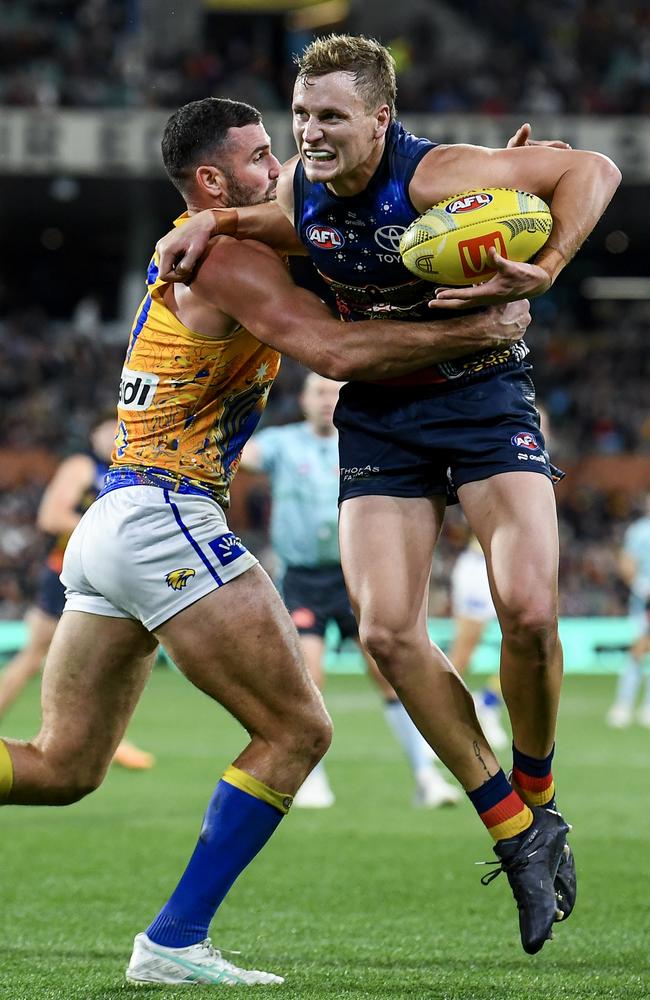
column 619, row 716
column 199, row 964
column 432, row 791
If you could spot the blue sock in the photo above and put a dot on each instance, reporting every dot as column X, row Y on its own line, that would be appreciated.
column 236, row 826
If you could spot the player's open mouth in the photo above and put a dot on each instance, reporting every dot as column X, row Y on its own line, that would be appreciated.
column 319, row 155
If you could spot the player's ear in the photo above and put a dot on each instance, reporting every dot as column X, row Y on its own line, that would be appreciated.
column 210, row 181
column 382, row 114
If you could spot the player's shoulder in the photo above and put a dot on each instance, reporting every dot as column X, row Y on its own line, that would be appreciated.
column 284, row 190
column 288, row 169
column 76, row 470
column 79, row 461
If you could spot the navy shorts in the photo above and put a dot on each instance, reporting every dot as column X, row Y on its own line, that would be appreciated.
column 315, row 596
column 50, row 596
column 429, row 440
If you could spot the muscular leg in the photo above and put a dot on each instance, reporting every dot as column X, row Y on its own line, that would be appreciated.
column 239, row 645
column 27, row 663
column 514, row 518
column 315, row 791
column 94, row 674
column 387, row 547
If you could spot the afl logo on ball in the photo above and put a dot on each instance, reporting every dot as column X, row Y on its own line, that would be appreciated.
column 469, row 203
column 325, row 237
column 525, row 440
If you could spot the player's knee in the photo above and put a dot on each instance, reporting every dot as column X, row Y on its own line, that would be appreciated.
column 315, row 734
column 309, row 735
column 67, row 777
column 389, row 646
column 533, row 625
column 73, row 790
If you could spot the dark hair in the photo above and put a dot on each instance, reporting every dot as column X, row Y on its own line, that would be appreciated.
column 370, row 62
column 196, row 133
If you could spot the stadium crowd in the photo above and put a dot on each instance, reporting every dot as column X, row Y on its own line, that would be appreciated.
column 49, row 395
column 565, row 56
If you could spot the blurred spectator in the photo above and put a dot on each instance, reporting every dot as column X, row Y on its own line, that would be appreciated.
column 517, row 56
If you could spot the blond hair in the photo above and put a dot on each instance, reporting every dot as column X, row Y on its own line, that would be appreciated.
column 370, row 62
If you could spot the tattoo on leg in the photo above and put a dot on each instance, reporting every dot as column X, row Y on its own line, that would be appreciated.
column 479, row 756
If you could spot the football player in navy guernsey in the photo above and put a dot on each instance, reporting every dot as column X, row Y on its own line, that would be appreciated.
column 358, row 181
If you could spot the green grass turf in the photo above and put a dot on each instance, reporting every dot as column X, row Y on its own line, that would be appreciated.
column 368, row 899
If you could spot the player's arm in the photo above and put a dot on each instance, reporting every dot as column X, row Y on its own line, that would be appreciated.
column 180, row 250
column 57, row 512
column 577, row 185
column 627, row 568
column 251, row 456
column 249, row 283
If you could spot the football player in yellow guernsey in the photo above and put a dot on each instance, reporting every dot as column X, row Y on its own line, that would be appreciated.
column 358, row 181
column 153, row 560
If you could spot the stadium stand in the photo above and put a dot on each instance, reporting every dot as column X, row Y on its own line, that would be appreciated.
column 569, row 57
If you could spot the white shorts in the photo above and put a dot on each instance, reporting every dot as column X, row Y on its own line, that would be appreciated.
column 470, row 589
column 146, row 553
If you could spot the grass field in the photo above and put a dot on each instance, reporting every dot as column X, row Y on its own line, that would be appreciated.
column 368, row 899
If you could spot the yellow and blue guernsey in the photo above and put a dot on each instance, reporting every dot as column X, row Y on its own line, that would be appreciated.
column 188, row 403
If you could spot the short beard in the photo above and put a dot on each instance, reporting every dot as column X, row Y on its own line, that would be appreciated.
column 240, row 195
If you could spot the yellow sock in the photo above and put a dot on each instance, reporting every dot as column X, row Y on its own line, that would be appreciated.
column 247, row 783
column 6, row 772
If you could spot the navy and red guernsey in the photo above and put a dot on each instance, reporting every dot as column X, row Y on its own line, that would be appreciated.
column 354, row 243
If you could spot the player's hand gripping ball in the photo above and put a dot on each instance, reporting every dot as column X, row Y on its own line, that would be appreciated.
column 449, row 243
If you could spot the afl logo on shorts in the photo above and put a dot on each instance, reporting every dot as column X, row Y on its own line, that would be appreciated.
column 325, row 237
column 525, row 440
column 468, row 204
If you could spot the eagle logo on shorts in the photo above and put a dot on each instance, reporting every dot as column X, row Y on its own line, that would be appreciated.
column 178, row 578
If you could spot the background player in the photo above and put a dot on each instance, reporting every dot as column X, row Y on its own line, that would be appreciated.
column 472, row 609
column 634, row 564
column 152, row 560
column 301, row 461
column 73, row 488
column 357, row 172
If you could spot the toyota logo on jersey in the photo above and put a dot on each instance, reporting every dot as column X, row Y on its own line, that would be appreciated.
column 524, row 439
column 325, row 237
column 388, row 237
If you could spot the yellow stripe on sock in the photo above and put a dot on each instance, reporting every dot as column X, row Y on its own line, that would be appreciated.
column 511, row 827
column 247, row 783
column 535, row 798
column 6, row 772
